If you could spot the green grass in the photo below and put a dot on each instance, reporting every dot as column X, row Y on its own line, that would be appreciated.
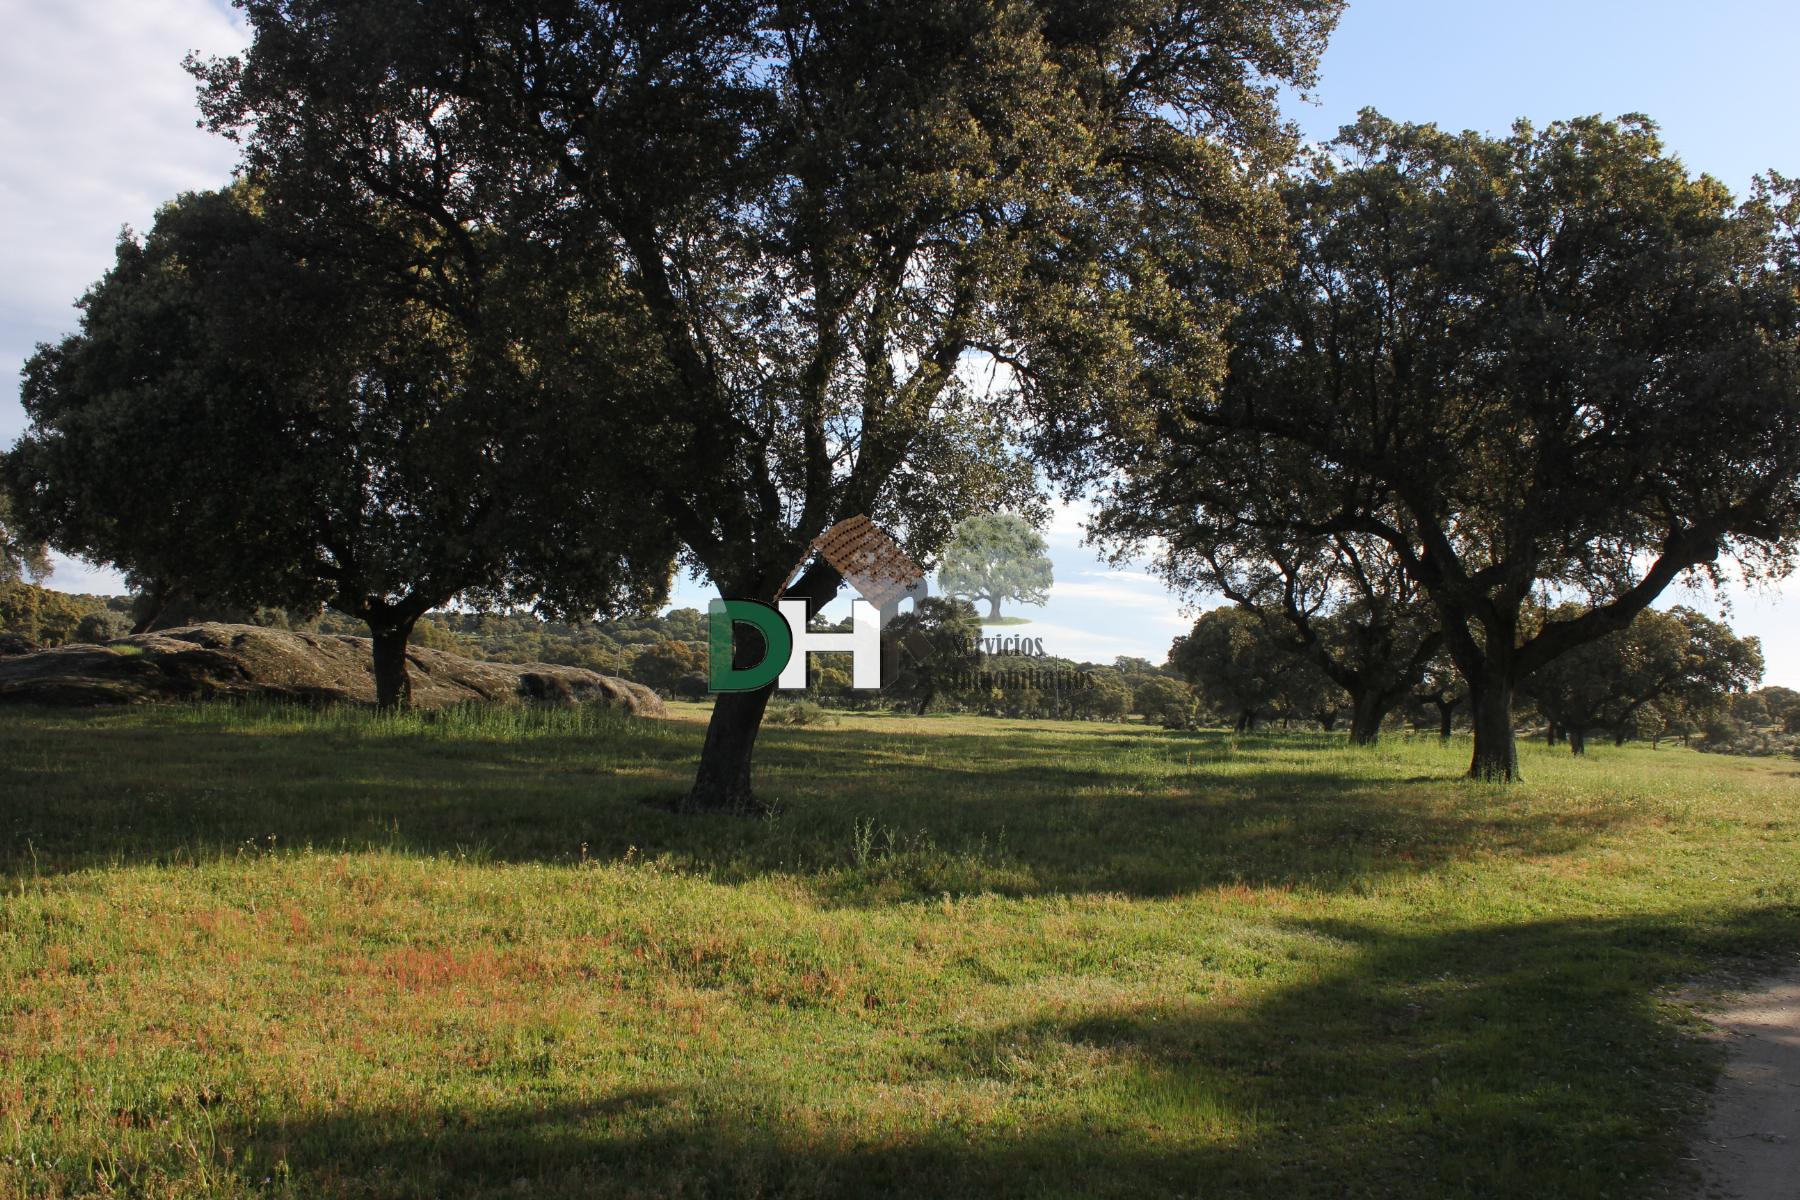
column 278, row 952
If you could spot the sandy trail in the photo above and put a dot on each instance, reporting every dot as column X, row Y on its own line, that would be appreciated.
column 1751, row 1147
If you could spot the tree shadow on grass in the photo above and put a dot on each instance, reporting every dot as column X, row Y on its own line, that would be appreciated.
column 1508, row 1061
column 868, row 816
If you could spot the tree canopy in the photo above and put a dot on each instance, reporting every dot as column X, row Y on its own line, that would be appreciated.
column 1665, row 668
column 930, row 650
column 823, row 213
column 995, row 557
column 246, row 418
column 1551, row 360
column 1239, row 667
column 20, row 557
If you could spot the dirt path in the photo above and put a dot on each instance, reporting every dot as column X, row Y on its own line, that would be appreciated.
column 1751, row 1147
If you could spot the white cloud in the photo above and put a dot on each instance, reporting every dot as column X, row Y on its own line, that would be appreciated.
column 1067, row 522
column 1115, row 594
column 1144, row 577
column 1062, row 640
column 97, row 128
column 1088, row 645
column 78, row 575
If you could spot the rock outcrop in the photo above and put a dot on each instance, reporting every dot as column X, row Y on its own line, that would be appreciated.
column 200, row 662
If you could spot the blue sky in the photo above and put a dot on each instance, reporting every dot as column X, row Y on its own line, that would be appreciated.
column 97, row 128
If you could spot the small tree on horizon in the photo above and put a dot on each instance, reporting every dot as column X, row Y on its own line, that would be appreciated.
column 994, row 557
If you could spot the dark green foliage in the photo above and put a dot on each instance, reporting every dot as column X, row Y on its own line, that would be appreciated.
column 101, row 627
column 814, row 214
column 44, row 617
column 1168, row 702
column 527, row 637
column 1666, row 670
column 1546, row 360
column 162, row 604
column 1763, row 722
column 20, row 557
column 1246, row 673
column 929, row 651
column 1780, row 706
column 1103, row 696
column 249, row 419
column 664, row 664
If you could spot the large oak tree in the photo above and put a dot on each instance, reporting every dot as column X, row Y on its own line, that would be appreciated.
column 829, row 215
column 1547, row 365
column 247, row 418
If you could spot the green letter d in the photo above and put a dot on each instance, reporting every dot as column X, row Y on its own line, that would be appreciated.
column 778, row 641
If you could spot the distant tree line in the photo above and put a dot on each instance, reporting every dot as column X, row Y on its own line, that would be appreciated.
column 1672, row 674
column 32, row 617
column 1668, row 674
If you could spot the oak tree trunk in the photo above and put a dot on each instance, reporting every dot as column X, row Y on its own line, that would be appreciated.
column 925, row 700
column 1367, row 712
column 722, row 783
column 393, row 684
column 1496, row 758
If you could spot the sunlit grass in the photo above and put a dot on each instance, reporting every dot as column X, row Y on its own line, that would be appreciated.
column 273, row 951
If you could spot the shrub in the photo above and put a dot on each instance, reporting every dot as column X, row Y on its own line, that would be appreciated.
column 663, row 664
column 101, row 627
column 799, row 712
column 1168, row 702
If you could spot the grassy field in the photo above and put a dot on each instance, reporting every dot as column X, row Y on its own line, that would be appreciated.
column 327, row 954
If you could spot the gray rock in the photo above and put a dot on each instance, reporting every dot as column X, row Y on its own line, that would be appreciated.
column 212, row 661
